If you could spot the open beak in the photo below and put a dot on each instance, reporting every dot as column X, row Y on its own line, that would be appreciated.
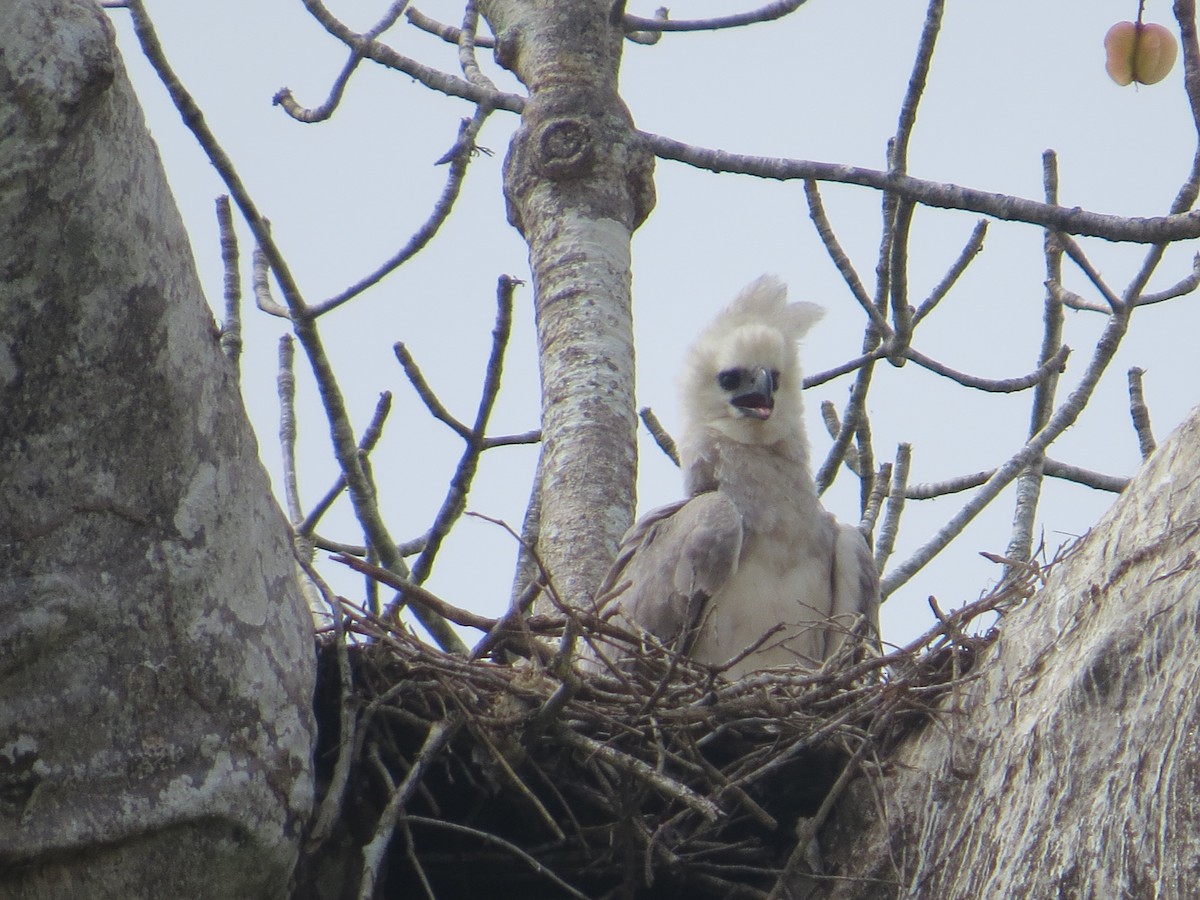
column 759, row 401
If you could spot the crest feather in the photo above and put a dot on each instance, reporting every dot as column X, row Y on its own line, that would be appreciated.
column 764, row 301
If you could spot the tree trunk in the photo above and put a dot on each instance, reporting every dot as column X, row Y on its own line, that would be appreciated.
column 577, row 183
column 155, row 654
column 1071, row 767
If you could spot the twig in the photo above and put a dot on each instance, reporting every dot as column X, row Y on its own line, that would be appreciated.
column 466, row 48
column 898, row 158
column 284, row 98
column 370, row 437
column 1063, row 417
column 972, row 248
column 261, row 282
column 510, row 440
column 1069, row 220
column 426, row 75
column 807, row 833
column 546, row 580
column 1029, row 482
column 902, row 314
column 833, row 426
column 496, row 841
column 448, row 33
column 231, row 327
column 459, row 157
column 331, row 804
column 854, row 408
column 1184, row 286
column 1071, row 300
column 661, row 437
column 1086, row 477
column 436, row 409
column 811, row 381
column 886, row 541
column 193, row 118
column 1051, row 467
column 464, row 474
column 640, row 770
column 374, row 852
column 650, row 38
column 525, row 573
column 767, row 13
column 286, row 384
column 414, row 591
column 1140, row 413
column 865, row 455
column 514, row 617
column 816, row 212
column 1080, row 259
column 1053, row 366
column 879, row 490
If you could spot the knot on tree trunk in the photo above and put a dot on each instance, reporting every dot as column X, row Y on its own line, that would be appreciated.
column 564, row 149
column 577, row 148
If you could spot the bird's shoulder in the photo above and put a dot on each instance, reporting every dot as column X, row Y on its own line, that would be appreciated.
column 669, row 533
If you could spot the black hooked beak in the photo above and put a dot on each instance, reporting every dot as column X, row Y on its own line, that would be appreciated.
column 759, row 401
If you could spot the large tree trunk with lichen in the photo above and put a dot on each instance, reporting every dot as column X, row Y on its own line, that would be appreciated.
column 155, row 655
column 577, row 183
column 1071, row 767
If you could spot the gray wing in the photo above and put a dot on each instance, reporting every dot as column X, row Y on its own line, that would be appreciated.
column 855, row 590
column 671, row 562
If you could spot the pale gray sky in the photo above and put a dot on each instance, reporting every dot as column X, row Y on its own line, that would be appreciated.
column 1008, row 81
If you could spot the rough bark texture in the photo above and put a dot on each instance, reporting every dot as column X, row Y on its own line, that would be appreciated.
column 1072, row 769
column 577, row 183
column 155, row 654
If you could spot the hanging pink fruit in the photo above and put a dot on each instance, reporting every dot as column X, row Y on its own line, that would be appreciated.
column 1144, row 53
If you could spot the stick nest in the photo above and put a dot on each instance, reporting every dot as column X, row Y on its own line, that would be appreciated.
column 448, row 777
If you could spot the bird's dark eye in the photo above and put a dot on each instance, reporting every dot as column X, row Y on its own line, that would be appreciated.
column 729, row 379
column 774, row 379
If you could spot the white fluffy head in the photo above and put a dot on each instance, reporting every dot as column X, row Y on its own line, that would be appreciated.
column 751, row 343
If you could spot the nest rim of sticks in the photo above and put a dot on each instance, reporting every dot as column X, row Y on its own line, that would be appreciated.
column 661, row 776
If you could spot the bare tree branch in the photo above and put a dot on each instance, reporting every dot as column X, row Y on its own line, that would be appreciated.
column 886, row 541
column 1140, row 413
column 661, row 437
column 1063, row 417
column 231, row 327
column 1080, row 259
column 767, row 13
column 366, row 444
column 969, row 251
column 435, row 406
column 284, row 98
column 448, row 33
column 854, row 408
column 1051, row 467
column 879, row 490
column 430, row 77
column 459, row 157
column 1184, row 286
column 1029, row 482
column 460, row 484
column 816, row 211
column 374, row 853
column 1052, row 366
column 286, row 385
column 1070, row 220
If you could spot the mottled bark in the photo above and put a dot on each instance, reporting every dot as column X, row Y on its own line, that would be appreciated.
column 578, row 182
column 1072, row 768
column 155, row 654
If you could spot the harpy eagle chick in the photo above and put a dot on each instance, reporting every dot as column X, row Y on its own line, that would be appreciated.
column 751, row 548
